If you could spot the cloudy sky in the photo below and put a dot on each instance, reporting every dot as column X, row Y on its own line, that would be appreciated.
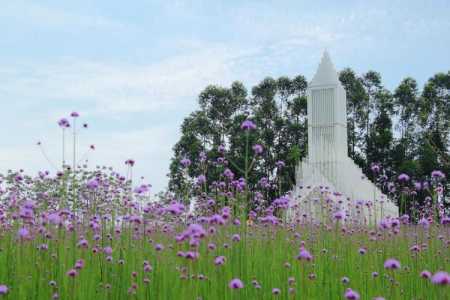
column 133, row 69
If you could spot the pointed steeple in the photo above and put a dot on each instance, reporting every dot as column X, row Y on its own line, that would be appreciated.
column 326, row 72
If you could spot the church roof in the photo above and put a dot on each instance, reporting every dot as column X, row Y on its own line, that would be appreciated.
column 326, row 72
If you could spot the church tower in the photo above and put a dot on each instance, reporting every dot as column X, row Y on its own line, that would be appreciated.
column 327, row 115
column 328, row 164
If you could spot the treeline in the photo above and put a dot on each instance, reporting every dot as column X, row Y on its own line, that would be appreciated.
column 403, row 131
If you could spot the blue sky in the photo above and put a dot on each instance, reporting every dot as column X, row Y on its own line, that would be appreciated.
column 133, row 69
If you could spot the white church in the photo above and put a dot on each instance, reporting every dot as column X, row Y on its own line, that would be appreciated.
column 328, row 180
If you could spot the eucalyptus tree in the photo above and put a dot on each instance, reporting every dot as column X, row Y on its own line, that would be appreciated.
column 356, row 99
column 406, row 107
column 434, row 116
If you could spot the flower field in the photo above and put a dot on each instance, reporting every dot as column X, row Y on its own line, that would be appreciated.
column 93, row 234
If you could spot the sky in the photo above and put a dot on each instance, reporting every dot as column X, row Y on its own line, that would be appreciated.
column 134, row 69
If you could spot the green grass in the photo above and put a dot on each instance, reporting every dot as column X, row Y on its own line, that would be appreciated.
column 262, row 254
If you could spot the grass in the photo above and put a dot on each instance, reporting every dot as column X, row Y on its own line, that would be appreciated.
column 265, row 253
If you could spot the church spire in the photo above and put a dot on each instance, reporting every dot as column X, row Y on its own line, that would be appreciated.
column 326, row 72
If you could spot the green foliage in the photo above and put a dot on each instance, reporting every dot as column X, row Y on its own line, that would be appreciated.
column 406, row 131
column 277, row 107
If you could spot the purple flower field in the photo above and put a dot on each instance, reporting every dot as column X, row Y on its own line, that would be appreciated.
column 97, row 234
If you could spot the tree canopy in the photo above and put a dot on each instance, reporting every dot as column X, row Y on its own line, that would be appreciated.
column 402, row 131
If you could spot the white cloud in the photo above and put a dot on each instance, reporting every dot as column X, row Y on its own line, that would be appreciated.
column 118, row 88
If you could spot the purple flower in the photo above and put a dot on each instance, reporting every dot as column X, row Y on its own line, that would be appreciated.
column 74, row 114
column 445, row 220
column 201, row 179
column 83, row 243
column 79, row 264
column 236, row 283
column 441, row 278
column 221, row 149
column 185, row 162
column 418, row 185
column 375, row 168
column 395, row 222
column 107, row 250
column 437, row 174
column 54, row 218
column 202, row 156
column 142, row 189
column 195, row 231
column 351, row 294
column 392, row 264
column 276, row 291
column 175, row 208
column 258, row 149
column 63, row 123
column 192, row 255
column 415, row 248
column 228, row 174
column 304, row 255
column 425, row 274
column 219, row 260
column 147, row 268
column 3, row 289
column 339, row 215
column 282, row 202
column 130, row 162
column 26, row 213
column 72, row 273
column 272, row 220
column 403, row 177
column 424, row 222
column 236, row 238
column 92, row 184
column 23, row 233
column 248, row 125
column 159, row 247
column 280, row 164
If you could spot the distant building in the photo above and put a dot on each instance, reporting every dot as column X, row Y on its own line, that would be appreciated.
column 328, row 168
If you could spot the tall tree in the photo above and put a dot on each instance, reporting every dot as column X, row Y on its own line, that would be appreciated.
column 205, row 130
column 406, row 107
column 380, row 137
column 356, row 102
column 434, row 114
column 372, row 85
